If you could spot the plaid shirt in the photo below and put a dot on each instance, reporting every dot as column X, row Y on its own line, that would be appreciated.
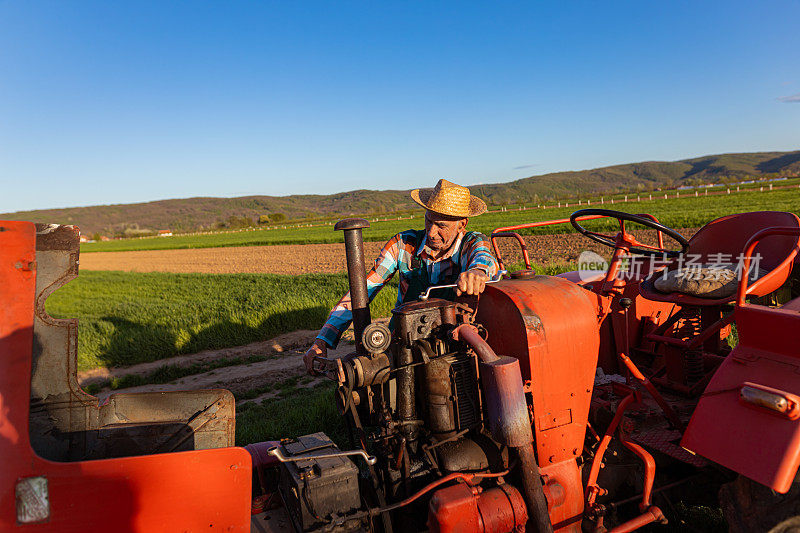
column 396, row 254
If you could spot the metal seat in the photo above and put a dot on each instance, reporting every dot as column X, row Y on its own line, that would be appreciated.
column 728, row 236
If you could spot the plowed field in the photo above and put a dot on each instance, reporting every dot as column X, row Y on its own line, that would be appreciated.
column 323, row 258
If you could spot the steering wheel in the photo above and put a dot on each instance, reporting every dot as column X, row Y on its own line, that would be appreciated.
column 633, row 246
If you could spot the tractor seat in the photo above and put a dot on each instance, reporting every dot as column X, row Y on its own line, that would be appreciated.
column 716, row 250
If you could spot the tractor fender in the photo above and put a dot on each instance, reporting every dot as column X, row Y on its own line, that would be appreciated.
column 748, row 418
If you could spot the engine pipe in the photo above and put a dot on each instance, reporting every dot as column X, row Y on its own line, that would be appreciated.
column 356, row 275
column 509, row 423
column 465, row 476
column 469, row 334
column 406, row 394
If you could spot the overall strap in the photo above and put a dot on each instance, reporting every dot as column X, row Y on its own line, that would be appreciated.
column 415, row 263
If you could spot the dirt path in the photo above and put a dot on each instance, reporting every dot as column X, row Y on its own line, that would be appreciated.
column 319, row 258
column 285, row 362
column 287, row 344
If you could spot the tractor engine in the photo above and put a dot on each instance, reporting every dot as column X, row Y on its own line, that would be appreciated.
column 421, row 396
column 413, row 400
column 428, row 402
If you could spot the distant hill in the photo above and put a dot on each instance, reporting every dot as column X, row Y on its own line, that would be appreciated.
column 203, row 213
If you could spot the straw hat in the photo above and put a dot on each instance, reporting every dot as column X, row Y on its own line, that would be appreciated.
column 449, row 199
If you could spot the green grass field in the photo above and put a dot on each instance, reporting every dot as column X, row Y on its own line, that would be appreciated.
column 684, row 212
column 292, row 415
column 128, row 318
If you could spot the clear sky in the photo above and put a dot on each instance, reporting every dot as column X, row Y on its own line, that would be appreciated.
column 118, row 102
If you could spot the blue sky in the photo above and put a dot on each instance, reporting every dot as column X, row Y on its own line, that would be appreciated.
column 112, row 102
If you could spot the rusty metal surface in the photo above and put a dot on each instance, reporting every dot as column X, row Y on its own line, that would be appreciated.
column 66, row 423
column 460, row 508
column 356, row 275
column 272, row 521
column 506, row 410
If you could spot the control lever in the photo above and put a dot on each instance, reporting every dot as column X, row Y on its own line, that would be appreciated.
column 275, row 451
column 427, row 294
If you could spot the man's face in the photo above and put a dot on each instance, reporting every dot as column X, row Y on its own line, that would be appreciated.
column 442, row 230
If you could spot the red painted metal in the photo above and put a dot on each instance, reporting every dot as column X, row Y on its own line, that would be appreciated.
column 593, row 490
column 207, row 490
column 454, row 509
column 551, row 326
column 502, row 509
column 543, row 223
column 749, row 251
column 636, row 373
column 759, row 443
column 731, row 235
column 510, row 231
column 653, row 514
column 460, row 508
column 521, row 243
column 649, row 471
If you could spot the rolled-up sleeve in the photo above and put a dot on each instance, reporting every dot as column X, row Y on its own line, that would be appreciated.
column 477, row 255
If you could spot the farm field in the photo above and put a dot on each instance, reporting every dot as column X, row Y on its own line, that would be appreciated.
column 128, row 318
column 684, row 212
column 320, row 258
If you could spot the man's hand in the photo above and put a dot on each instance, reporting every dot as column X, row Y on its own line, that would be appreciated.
column 471, row 282
column 319, row 348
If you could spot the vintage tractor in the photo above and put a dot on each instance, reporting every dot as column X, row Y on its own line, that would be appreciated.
column 552, row 403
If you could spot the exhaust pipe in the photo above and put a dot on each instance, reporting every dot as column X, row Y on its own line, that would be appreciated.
column 356, row 275
column 508, row 421
column 509, row 424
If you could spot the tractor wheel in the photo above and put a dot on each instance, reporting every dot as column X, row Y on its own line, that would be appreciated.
column 749, row 506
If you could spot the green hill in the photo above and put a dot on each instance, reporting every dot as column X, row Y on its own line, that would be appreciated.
column 205, row 213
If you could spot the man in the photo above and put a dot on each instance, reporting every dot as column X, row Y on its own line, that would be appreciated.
column 443, row 253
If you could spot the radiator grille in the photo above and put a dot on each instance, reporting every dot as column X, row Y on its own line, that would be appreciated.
column 465, row 391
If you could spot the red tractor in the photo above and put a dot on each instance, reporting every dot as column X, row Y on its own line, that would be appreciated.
column 555, row 403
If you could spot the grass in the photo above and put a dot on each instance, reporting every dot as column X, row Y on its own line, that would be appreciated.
column 291, row 417
column 684, row 212
column 169, row 373
column 128, row 318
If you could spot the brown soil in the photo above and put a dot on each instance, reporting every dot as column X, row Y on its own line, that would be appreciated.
column 322, row 258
